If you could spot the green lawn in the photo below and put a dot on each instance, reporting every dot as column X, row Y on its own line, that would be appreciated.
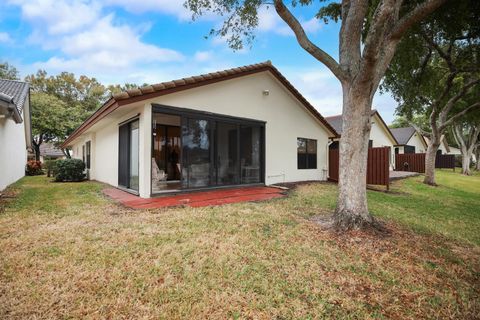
column 68, row 252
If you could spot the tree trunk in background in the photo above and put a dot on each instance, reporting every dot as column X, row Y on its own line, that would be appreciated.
column 430, row 156
column 477, row 157
column 352, row 210
column 66, row 152
column 36, row 145
column 466, row 159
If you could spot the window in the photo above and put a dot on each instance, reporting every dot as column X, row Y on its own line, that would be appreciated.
column 88, row 150
column 83, row 153
column 306, row 153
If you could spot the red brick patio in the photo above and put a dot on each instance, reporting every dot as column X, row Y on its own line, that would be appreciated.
column 196, row 199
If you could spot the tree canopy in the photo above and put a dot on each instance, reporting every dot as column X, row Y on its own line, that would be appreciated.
column 9, row 72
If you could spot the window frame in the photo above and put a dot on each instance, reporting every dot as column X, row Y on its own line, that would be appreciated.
column 88, row 154
column 309, row 163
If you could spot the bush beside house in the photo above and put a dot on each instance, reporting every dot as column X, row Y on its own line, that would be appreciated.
column 33, row 168
column 69, row 170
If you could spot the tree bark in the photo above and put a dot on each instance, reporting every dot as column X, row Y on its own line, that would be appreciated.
column 352, row 210
column 477, row 158
column 430, row 156
column 466, row 159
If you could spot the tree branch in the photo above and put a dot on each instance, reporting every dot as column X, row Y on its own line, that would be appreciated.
column 447, row 56
column 353, row 16
column 420, row 130
column 459, row 114
column 449, row 105
column 305, row 42
column 416, row 15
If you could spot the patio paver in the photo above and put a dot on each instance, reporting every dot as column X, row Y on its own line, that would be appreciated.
column 196, row 199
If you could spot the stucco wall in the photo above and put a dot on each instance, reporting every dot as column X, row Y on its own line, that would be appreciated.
column 286, row 119
column 381, row 138
column 13, row 151
column 415, row 140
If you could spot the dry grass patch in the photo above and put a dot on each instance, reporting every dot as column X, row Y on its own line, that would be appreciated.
column 250, row 260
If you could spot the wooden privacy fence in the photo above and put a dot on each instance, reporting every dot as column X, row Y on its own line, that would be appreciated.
column 378, row 166
column 412, row 162
column 445, row 161
column 415, row 162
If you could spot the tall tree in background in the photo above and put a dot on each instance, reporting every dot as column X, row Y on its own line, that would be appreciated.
column 9, row 72
column 369, row 34
column 49, row 118
column 466, row 132
column 73, row 100
column 436, row 70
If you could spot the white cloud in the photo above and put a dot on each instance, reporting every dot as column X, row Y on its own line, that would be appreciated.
column 202, row 56
column 5, row 37
column 88, row 41
column 324, row 92
column 270, row 21
column 59, row 17
column 171, row 7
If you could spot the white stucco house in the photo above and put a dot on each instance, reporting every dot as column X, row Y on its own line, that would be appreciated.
column 242, row 126
column 444, row 148
column 15, row 130
column 380, row 134
column 409, row 141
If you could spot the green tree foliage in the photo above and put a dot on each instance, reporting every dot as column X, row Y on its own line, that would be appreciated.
column 9, row 72
column 50, row 118
column 435, row 72
column 61, row 103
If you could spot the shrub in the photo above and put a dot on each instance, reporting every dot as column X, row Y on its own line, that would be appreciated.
column 69, row 170
column 50, row 165
column 33, row 168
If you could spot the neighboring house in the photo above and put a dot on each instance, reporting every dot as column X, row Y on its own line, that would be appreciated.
column 48, row 151
column 409, row 140
column 380, row 134
column 15, row 130
column 242, row 126
column 444, row 148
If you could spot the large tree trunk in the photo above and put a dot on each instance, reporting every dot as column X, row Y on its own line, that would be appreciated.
column 430, row 156
column 477, row 158
column 352, row 210
column 466, row 157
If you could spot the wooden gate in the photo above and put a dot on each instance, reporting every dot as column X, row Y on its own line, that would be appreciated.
column 378, row 166
column 412, row 162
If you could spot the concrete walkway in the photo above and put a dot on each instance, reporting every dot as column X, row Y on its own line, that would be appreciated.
column 196, row 199
column 396, row 175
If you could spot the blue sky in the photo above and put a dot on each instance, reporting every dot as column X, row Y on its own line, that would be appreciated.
column 150, row 41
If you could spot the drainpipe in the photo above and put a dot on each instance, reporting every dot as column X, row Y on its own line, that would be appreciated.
column 329, row 142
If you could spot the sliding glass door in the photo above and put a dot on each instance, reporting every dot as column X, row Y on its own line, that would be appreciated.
column 197, row 160
column 227, row 144
column 128, row 155
column 213, row 150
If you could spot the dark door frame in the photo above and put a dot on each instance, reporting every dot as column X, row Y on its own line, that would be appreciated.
column 127, row 166
column 185, row 113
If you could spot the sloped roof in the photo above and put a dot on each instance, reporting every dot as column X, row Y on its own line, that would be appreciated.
column 14, row 93
column 403, row 134
column 49, row 150
column 336, row 122
column 164, row 88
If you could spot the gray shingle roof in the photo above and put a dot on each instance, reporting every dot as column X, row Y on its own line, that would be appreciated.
column 13, row 91
column 49, row 150
column 403, row 134
column 335, row 122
